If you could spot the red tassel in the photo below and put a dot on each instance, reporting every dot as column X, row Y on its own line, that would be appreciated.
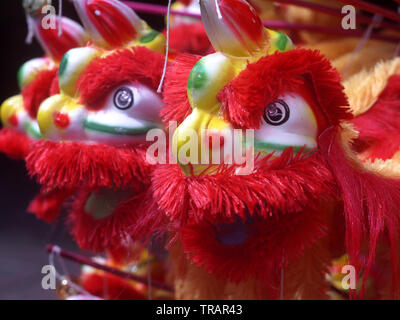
column 371, row 203
column 70, row 165
column 286, row 184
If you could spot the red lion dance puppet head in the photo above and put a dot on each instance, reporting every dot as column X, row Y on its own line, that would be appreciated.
column 273, row 231
column 95, row 129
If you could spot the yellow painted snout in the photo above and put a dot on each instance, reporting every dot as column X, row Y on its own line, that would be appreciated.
column 9, row 111
column 191, row 140
column 57, row 115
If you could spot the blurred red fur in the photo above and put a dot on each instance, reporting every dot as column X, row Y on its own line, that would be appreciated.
column 379, row 134
column 14, row 144
column 190, row 38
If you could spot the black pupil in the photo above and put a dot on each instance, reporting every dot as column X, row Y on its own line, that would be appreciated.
column 123, row 98
column 274, row 113
column 277, row 113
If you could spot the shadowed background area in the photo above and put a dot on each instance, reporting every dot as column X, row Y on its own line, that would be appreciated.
column 22, row 236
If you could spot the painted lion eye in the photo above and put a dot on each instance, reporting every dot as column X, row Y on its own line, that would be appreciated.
column 123, row 98
column 276, row 113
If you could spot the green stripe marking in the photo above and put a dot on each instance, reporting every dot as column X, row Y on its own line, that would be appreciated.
column 63, row 64
column 117, row 130
column 267, row 146
column 149, row 37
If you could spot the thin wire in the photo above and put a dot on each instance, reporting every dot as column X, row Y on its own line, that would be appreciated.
column 149, row 273
column 282, row 274
column 60, row 7
column 397, row 51
column 57, row 250
column 367, row 35
column 167, row 49
column 30, row 26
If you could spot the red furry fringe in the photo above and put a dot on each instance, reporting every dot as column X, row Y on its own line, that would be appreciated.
column 104, row 74
column 14, row 144
column 69, row 165
column 136, row 219
column 38, row 90
column 286, row 184
column 177, row 106
column 272, row 243
column 110, row 287
column 379, row 135
column 190, row 38
column 262, row 82
column 371, row 203
column 47, row 205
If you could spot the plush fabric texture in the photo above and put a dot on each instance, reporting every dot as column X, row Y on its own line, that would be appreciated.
column 364, row 88
column 371, row 202
column 379, row 136
column 125, row 65
column 69, row 165
column 269, row 245
column 282, row 185
column 38, row 90
column 190, row 38
column 245, row 98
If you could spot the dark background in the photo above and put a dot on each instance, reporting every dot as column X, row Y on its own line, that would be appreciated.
column 22, row 236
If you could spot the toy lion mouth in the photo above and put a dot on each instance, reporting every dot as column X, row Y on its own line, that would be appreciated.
column 71, row 165
column 104, row 219
column 253, row 247
column 286, row 184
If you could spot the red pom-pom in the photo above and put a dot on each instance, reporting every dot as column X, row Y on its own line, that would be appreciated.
column 47, row 205
column 14, row 144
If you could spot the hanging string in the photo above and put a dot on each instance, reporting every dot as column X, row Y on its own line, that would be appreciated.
column 367, row 35
column 30, row 27
column 282, row 274
column 149, row 272
column 60, row 7
column 397, row 51
column 167, row 48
